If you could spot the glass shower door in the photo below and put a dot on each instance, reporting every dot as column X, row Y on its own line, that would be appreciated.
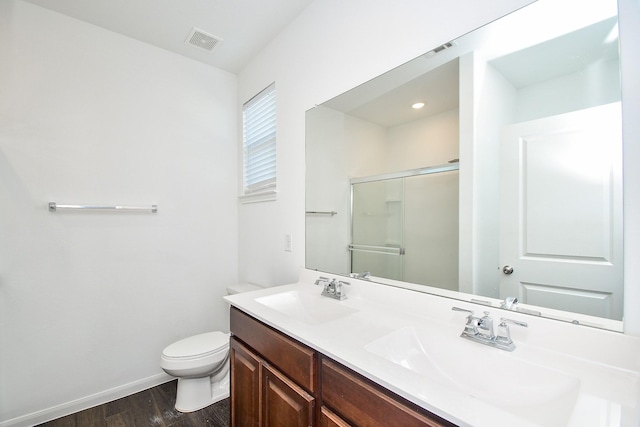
column 377, row 228
column 431, row 229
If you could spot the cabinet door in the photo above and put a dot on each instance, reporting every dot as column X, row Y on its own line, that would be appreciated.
column 245, row 386
column 284, row 403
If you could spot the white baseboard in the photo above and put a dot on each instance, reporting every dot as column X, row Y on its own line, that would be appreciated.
column 86, row 402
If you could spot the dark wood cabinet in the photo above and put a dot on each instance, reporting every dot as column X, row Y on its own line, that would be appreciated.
column 245, row 391
column 263, row 396
column 296, row 360
column 273, row 377
column 329, row 419
column 361, row 402
column 284, row 403
column 277, row 381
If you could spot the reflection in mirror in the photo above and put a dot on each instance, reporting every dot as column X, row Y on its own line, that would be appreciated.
column 530, row 105
column 404, row 226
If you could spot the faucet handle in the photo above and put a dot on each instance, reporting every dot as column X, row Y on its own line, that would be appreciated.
column 504, row 334
column 504, row 321
column 462, row 309
column 340, row 294
column 471, row 327
column 323, row 280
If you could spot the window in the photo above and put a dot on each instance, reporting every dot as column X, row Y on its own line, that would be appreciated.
column 259, row 145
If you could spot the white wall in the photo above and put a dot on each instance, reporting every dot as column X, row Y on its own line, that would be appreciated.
column 88, row 300
column 339, row 147
column 487, row 104
column 570, row 92
column 420, row 143
column 331, row 47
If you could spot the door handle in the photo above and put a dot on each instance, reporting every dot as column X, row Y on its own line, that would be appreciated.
column 507, row 269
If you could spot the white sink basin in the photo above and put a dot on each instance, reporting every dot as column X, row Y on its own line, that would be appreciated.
column 539, row 394
column 306, row 307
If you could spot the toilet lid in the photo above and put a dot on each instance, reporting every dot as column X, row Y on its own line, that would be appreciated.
column 198, row 345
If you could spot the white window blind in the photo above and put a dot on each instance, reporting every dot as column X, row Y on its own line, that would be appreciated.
column 259, row 142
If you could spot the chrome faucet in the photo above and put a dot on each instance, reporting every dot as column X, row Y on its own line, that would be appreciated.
column 364, row 275
column 332, row 288
column 480, row 329
column 509, row 303
column 505, row 338
column 322, row 281
column 485, row 326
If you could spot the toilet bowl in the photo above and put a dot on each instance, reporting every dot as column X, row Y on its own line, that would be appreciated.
column 201, row 364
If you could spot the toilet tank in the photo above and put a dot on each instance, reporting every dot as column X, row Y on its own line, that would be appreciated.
column 242, row 287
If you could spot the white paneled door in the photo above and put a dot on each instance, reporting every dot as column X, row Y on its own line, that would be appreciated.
column 561, row 212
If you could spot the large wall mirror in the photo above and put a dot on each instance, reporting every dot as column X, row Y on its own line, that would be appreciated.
column 488, row 169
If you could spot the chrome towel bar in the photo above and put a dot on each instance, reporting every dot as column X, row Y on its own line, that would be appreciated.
column 332, row 213
column 386, row 250
column 53, row 206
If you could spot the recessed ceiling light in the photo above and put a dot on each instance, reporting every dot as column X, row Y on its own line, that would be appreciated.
column 417, row 105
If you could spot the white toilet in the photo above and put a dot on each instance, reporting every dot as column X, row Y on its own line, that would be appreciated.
column 201, row 364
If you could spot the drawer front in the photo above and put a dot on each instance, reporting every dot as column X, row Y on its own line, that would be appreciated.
column 292, row 358
column 361, row 403
column 329, row 419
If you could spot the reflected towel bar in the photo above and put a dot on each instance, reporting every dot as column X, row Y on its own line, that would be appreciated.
column 385, row 250
column 332, row 213
column 53, row 206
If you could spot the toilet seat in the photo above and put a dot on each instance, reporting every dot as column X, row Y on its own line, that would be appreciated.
column 197, row 346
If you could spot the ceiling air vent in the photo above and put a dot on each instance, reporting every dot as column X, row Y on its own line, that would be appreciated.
column 440, row 49
column 202, row 40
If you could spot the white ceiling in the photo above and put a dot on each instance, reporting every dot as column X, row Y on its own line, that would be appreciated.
column 246, row 26
column 438, row 89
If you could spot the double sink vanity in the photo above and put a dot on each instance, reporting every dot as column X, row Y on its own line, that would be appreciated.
column 390, row 355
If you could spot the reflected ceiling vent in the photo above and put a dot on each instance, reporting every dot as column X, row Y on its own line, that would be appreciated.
column 439, row 49
column 202, row 40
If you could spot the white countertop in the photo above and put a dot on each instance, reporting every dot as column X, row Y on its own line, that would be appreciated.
column 593, row 374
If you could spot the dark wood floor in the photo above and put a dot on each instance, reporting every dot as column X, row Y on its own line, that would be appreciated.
column 153, row 407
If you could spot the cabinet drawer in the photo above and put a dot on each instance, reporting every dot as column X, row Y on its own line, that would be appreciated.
column 294, row 359
column 362, row 403
column 329, row 419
